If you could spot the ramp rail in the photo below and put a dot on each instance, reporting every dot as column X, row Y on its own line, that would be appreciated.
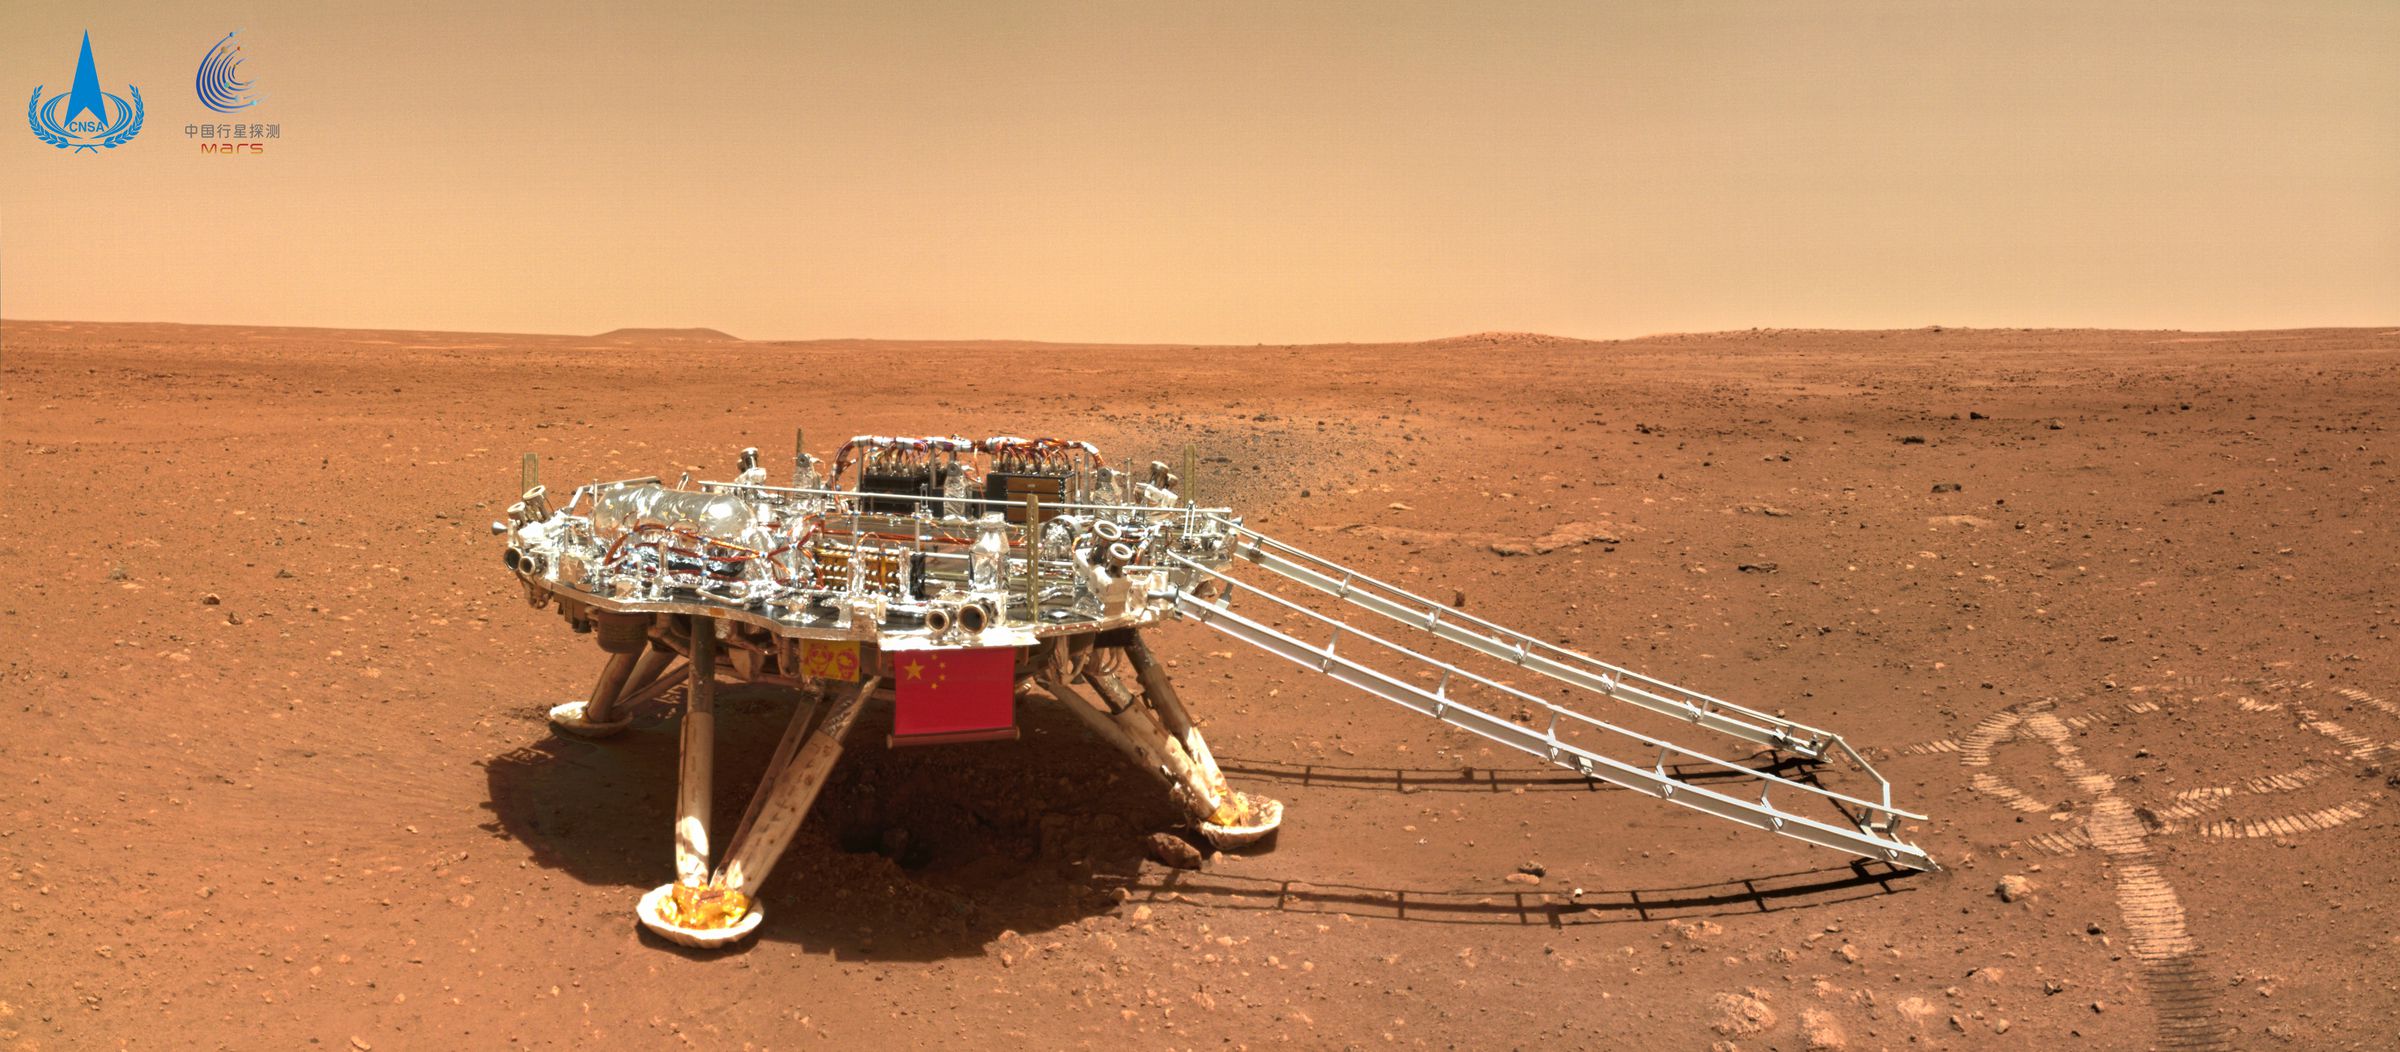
column 1577, row 741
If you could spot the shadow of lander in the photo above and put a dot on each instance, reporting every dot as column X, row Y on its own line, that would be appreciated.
column 920, row 852
column 930, row 852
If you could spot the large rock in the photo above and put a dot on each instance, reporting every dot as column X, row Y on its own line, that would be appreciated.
column 1565, row 535
column 2013, row 887
column 1175, row 851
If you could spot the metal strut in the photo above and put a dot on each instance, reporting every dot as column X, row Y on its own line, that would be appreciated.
column 1859, row 826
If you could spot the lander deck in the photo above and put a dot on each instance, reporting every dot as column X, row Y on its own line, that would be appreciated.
column 957, row 577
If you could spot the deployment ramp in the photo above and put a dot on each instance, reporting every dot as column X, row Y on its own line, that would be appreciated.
column 1586, row 744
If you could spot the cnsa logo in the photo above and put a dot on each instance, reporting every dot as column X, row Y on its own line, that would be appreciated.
column 83, row 117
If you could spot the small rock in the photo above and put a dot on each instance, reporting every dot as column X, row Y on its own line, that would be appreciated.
column 1947, row 487
column 1458, row 599
column 1912, row 440
column 210, row 599
column 2013, row 887
column 1695, row 930
column 360, row 1043
column 1848, row 953
column 1173, row 850
column 1758, row 567
column 1823, row 1031
column 1397, row 506
column 117, row 573
column 1535, row 869
column 1523, row 878
column 1971, row 415
column 285, row 575
column 2056, row 425
column 2099, row 1007
column 1740, row 1015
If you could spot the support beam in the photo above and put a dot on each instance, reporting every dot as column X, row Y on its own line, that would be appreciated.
column 693, row 795
column 1159, row 692
column 749, row 859
column 804, row 719
column 666, row 681
column 1158, row 689
column 1103, row 728
column 645, row 672
column 601, row 706
column 1192, row 786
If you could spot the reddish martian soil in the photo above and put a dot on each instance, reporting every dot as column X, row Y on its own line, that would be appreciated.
column 2115, row 608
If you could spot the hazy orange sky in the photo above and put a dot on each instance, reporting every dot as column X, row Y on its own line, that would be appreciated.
column 1224, row 172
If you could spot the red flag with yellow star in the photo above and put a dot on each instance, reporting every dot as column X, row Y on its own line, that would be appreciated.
column 957, row 695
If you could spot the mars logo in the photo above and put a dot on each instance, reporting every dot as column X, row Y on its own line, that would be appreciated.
column 84, row 116
column 220, row 82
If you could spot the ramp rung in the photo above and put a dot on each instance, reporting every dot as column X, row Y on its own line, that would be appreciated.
column 1866, row 827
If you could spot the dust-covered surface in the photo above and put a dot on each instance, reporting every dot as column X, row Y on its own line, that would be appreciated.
column 2115, row 608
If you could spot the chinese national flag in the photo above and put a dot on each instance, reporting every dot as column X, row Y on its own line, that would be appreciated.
column 958, row 694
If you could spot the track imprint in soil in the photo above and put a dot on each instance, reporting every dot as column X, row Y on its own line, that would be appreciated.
column 2273, row 759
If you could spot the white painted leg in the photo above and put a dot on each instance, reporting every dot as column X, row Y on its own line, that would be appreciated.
column 693, row 797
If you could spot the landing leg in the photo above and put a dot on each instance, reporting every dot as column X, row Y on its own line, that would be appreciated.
column 599, row 716
column 711, row 909
column 694, row 786
column 1158, row 732
column 691, row 910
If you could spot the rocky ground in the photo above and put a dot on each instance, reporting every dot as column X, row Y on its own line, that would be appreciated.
column 2114, row 608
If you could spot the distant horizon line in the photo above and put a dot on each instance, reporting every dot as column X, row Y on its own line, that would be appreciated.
column 710, row 334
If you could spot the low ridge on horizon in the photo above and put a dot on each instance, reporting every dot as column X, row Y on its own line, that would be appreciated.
column 694, row 333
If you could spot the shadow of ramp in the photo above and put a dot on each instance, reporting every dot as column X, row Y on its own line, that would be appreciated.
column 1769, row 893
column 1469, row 779
column 914, row 853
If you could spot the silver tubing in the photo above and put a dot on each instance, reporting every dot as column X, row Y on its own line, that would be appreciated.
column 1865, row 840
